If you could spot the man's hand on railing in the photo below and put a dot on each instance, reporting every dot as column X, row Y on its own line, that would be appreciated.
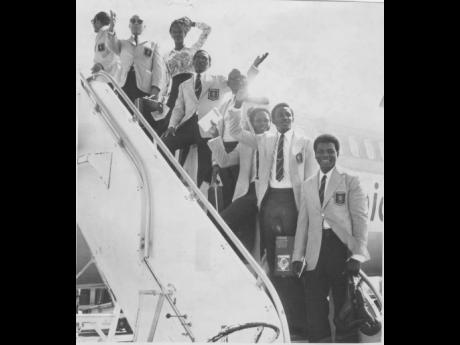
column 97, row 67
column 169, row 131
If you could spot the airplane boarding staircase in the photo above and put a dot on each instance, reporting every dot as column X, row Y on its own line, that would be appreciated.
column 149, row 230
column 160, row 247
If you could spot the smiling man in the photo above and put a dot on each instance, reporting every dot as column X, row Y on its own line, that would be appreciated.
column 197, row 96
column 331, row 238
column 229, row 174
column 286, row 159
column 241, row 214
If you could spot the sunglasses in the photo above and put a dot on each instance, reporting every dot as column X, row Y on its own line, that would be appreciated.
column 136, row 21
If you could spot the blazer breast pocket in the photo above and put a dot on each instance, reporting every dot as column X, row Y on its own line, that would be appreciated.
column 213, row 94
column 299, row 158
column 148, row 52
column 339, row 198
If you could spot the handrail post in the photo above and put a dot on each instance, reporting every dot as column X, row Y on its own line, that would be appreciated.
column 366, row 279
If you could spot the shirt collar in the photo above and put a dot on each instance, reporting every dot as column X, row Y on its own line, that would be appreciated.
column 288, row 134
column 139, row 40
column 328, row 174
column 202, row 76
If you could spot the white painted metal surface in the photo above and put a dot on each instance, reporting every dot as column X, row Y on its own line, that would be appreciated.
column 189, row 257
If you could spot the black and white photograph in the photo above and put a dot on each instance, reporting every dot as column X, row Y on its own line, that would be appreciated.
column 229, row 171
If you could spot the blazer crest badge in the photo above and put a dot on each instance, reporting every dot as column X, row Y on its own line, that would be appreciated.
column 213, row 94
column 340, row 198
column 148, row 52
column 299, row 157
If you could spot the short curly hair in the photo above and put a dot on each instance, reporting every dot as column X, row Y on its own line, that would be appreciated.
column 326, row 138
column 253, row 111
column 281, row 105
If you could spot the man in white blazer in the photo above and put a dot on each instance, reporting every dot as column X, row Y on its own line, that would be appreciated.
column 104, row 58
column 241, row 214
column 197, row 96
column 286, row 160
column 143, row 70
column 331, row 237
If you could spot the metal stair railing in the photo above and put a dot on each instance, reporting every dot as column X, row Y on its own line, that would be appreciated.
column 190, row 184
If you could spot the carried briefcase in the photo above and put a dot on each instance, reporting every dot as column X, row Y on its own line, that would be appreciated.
column 284, row 246
column 150, row 109
column 355, row 313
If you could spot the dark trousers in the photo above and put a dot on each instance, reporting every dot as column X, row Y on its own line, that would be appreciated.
column 278, row 217
column 130, row 87
column 328, row 275
column 189, row 134
column 162, row 125
column 229, row 176
column 131, row 90
column 241, row 215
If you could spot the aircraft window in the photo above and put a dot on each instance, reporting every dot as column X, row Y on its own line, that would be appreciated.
column 354, row 148
column 344, row 148
column 381, row 149
column 369, row 149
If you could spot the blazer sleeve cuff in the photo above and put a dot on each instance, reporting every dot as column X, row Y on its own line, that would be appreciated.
column 358, row 257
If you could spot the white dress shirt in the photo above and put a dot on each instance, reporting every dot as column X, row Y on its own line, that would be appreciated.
column 254, row 167
column 286, row 180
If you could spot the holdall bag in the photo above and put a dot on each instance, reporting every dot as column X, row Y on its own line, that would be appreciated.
column 355, row 313
column 148, row 106
column 284, row 246
column 347, row 319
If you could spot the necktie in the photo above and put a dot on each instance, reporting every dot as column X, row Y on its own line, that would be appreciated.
column 321, row 189
column 135, row 39
column 280, row 159
column 257, row 164
column 198, row 86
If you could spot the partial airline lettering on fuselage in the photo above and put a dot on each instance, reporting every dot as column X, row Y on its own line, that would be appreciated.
column 374, row 210
column 373, row 187
column 361, row 155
